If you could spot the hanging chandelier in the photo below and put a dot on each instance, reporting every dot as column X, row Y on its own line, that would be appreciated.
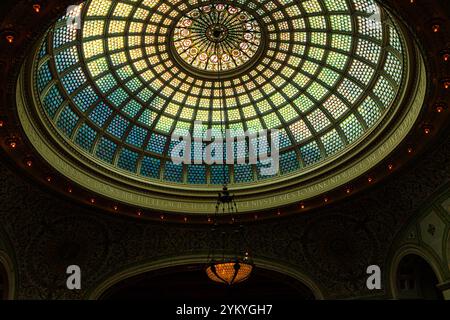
column 226, row 266
column 231, row 263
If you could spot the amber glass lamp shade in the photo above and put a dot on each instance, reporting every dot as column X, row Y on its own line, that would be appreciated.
column 229, row 273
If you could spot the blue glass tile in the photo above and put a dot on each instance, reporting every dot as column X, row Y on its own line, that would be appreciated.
column 173, row 172
column 100, row 114
column 85, row 98
column 217, row 174
column 196, row 174
column 44, row 76
column 67, row 121
column 147, row 117
column 157, row 143
column 243, row 173
column 137, row 136
column 73, row 80
column 284, row 140
column 106, row 149
column 288, row 162
column 117, row 97
column 43, row 50
column 52, row 101
column 118, row 126
column 132, row 108
column 63, row 36
column 85, row 137
column 128, row 160
column 66, row 59
column 150, row 167
column 310, row 153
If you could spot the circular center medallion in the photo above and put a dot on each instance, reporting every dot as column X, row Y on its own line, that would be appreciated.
column 217, row 37
column 217, row 33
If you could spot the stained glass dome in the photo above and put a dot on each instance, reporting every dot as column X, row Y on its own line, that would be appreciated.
column 323, row 72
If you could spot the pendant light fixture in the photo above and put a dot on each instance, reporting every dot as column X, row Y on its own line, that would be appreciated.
column 229, row 262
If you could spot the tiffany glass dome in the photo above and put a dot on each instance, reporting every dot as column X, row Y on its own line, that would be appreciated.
column 117, row 81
